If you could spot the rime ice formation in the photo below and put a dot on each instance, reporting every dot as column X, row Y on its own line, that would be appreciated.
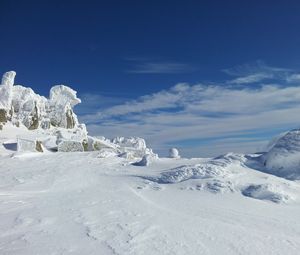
column 8, row 79
column 55, row 124
column 62, row 100
column 53, row 116
column 22, row 105
column 133, row 147
column 6, row 88
column 174, row 153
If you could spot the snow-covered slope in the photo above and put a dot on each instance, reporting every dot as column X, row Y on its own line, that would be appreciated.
column 79, row 203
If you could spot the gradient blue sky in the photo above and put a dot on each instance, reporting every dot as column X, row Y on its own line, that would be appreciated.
column 238, row 60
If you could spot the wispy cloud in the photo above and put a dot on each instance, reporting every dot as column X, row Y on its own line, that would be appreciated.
column 256, row 72
column 203, row 119
column 146, row 66
column 295, row 77
column 252, row 78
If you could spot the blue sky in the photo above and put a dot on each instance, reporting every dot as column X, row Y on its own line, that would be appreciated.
column 205, row 76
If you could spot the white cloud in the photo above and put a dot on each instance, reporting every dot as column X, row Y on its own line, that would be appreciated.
column 199, row 112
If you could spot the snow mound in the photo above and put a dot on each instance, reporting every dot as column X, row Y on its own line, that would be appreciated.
column 70, row 146
column 283, row 158
column 229, row 173
column 271, row 192
column 217, row 167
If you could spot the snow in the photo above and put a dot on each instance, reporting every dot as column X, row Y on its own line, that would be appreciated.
column 78, row 203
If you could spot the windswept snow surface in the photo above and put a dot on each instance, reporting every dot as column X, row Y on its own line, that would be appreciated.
column 81, row 203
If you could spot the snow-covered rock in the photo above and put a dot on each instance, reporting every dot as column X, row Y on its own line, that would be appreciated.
column 174, row 153
column 70, row 146
column 133, row 147
column 29, row 108
column 55, row 123
column 107, row 153
column 22, row 105
column 130, row 142
column 29, row 145
column 8, row 79
column 283, row 158
column 145, row 161
column 6, row 90
column 61, row 103
column 97, row 144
